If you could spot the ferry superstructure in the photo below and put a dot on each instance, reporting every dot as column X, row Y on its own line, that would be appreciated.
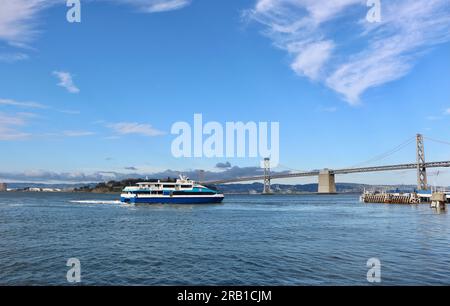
column 179, row 191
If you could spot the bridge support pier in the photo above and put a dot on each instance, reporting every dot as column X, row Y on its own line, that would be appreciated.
column 327, row 182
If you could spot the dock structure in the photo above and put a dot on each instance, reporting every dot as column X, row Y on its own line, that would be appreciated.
column 438, row 200
column 390, row 198
column 435, row 199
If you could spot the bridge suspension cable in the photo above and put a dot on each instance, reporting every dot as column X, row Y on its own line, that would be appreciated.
column 326, row 176
column 380, row 156
column 386, row 154
column 437, row 140
column 290, row 169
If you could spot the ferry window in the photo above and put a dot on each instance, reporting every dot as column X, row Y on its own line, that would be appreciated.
column 168, row 186
column 193, row 193
column 186, row 186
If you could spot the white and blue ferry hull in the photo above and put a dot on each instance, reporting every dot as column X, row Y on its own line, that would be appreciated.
column 207, row 199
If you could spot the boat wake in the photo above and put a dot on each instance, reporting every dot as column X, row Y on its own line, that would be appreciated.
column 96, row 202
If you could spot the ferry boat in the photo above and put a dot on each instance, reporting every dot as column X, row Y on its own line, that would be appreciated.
column 171, row 191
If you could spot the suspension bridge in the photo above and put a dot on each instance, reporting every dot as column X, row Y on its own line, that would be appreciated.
column 326, row 177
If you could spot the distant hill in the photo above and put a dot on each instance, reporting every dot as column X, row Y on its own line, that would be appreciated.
column 252, row 188
column 40, row 185
column 108, row 187
column 286, row 188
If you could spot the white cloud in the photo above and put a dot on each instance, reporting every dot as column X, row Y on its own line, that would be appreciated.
column 9, row 125
column 156, row 6
column 77, row 133
column 433, row 118
column 6, row 119
column 20, row 19
column 13, row 57
column 124, row 128
column 115, row 137
column 69, row 111
column 311, row 59
column 441, row 116
column 329, row 109
column 66, row 81
column 364, row 55
column 10, row 102
column 35, row 105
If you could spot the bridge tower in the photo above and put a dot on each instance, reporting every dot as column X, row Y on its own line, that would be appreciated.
column 421, row 170
column 267, row 189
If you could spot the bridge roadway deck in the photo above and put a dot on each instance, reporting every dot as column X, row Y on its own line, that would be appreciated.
column 440, row 164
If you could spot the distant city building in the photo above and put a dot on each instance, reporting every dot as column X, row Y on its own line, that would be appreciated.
column 3, row 187
column 39, row 189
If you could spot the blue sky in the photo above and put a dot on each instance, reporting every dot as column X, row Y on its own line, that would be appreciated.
column 100, row 96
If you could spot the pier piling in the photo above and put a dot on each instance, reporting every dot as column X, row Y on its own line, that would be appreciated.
column 438, row 200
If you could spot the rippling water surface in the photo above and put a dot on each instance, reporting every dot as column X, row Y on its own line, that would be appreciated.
column 251, row 240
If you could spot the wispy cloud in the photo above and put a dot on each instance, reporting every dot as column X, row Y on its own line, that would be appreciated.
column 446, row 112
column 156, row 6
column 13, row 57
column 35, row 105
column 10, row 102
column 66, row 81
column 433, row 118
column 77, row 133
column 69, row 111
column 10, row 124
column 114, row 137
column 19, row 19
column 311, row 58
column 364, row 55
column 125, row 128
column 328, row 109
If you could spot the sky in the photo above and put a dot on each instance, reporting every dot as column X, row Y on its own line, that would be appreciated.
column 96, row 100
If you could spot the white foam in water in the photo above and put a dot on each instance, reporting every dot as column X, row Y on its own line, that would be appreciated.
column 96, row 202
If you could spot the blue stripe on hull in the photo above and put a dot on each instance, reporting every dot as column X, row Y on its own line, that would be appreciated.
column 173, row 200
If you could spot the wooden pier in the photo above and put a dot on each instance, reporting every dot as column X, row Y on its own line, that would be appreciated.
column 390, row 198
column 435, row 199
